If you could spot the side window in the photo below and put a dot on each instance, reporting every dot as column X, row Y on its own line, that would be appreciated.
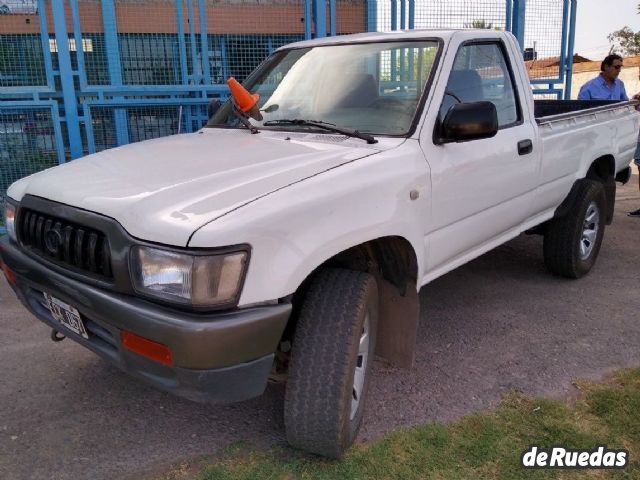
column 480, row 73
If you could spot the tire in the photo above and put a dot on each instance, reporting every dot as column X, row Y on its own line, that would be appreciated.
column 339, row 312
column 572, row 242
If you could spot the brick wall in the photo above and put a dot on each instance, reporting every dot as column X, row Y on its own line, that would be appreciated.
column 239, row 16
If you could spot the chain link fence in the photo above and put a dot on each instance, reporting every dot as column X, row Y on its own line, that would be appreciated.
column 441, row 14
column 27, row 144
column 542, row 43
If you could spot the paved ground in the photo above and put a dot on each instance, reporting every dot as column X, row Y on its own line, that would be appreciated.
column 498, row 323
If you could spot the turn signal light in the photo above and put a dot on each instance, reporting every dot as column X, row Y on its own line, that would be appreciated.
column 11, row 278
column 147, row 348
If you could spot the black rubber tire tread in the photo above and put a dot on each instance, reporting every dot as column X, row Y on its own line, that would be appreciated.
column 561, row 240
column 325, row 347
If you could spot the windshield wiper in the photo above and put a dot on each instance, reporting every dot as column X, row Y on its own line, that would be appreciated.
column 330, row 127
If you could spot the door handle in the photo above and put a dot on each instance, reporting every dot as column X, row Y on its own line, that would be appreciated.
column 525, row 147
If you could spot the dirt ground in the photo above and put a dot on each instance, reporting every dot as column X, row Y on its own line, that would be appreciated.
column 501, row 322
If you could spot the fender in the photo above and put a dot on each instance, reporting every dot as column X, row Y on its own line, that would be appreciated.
column 295, row 230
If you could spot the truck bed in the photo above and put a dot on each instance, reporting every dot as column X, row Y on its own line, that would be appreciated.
column 575, row 132
column 549, row 108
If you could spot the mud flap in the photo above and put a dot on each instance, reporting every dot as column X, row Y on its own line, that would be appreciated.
column 610, row 195
column 397, row 324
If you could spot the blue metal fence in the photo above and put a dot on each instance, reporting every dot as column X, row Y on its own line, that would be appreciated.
column 80, row 76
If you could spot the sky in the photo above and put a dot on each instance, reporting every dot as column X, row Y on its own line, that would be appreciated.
column 597, row 18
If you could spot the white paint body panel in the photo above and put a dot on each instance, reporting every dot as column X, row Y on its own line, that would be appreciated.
column 480, row 188
column 569, row 146
column 299, row 202
column 163, row 190
column 296, row 229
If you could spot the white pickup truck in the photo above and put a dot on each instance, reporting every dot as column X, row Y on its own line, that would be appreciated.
column 290, row 240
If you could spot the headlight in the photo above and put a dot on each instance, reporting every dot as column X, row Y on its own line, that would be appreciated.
column 197, row 280
column 10, row 219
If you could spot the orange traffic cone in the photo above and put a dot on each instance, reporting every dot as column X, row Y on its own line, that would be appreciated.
column 245, row 100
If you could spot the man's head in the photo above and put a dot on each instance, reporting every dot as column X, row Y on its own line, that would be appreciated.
column 611, row 66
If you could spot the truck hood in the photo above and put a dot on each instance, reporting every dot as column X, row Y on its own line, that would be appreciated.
column 165, row 189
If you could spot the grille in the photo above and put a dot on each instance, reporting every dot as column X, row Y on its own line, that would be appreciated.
column 65, row 243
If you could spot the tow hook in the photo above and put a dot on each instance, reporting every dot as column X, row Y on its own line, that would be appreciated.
column 56, row 336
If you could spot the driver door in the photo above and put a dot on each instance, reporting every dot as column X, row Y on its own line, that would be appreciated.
column 479, row 188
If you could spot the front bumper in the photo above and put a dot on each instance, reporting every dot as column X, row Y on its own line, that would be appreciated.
column 218, row 357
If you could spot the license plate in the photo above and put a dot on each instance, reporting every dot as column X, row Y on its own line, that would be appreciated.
column 66, row 315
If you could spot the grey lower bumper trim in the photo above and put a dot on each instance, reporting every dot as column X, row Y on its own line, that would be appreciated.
column 223, row 385
column 223, row 356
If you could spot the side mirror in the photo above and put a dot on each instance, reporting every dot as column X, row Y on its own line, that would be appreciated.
column 469, row 121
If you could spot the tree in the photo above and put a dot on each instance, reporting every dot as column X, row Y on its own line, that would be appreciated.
column 482, row 24
column 4, row 10
column 625, row 41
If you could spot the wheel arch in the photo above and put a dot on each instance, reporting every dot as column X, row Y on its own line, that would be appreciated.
column 602, row 170
column 565, row 238
column 393, row 261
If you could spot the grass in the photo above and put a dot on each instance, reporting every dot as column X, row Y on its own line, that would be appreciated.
column 480, row 446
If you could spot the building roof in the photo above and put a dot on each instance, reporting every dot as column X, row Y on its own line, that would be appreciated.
column 535, row 70
column 552, row 62
column 399, row 35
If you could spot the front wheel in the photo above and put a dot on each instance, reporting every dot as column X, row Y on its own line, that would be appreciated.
column 572, row 242
column 331, row 362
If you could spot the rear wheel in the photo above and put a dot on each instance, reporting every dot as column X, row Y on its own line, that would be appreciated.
column 572, row 242
column 331, row 362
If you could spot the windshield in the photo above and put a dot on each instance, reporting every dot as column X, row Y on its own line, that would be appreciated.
column 371, row 87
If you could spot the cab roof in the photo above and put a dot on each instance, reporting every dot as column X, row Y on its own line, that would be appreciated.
column 399, row 35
